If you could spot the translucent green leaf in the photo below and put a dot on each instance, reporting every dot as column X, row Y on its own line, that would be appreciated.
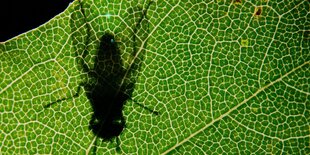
column 227, row 77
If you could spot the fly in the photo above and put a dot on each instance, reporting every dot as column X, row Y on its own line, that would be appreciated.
column 107, row 92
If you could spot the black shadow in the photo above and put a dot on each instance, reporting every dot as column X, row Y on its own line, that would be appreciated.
column 107, row 96
column 106, row 90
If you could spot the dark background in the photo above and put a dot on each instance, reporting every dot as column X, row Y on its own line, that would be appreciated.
column 17, row 17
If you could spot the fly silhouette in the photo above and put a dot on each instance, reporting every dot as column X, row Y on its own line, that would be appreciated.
column 107, row 96
column 107, row 92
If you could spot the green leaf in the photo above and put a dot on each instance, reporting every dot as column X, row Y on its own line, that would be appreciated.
column 224, row 78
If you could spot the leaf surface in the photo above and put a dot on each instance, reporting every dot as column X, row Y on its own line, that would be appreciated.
column 224, row 78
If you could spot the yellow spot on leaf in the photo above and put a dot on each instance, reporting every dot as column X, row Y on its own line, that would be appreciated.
column 244, row 43
column 237, row 2
column 255, row 110
column 258, row 11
